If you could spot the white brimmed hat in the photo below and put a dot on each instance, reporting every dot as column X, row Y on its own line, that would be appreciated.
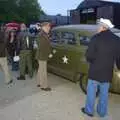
column 105, row 22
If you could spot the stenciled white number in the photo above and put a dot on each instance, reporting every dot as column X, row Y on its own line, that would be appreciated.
column 65, row 60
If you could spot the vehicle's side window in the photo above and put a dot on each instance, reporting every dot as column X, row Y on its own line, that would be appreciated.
column 55, row 37
column 68, row 37
column 84, row 40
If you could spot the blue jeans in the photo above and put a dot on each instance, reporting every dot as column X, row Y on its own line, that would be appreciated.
column 102, row 107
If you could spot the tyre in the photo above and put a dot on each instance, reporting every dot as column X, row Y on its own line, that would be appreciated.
column 83, row 84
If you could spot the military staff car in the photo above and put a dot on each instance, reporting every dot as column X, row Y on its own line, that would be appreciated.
column 67, row 58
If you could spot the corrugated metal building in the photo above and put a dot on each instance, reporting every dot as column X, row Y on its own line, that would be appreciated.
column 90, row 10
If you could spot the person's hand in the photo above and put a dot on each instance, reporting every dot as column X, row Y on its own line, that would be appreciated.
column 50, row 55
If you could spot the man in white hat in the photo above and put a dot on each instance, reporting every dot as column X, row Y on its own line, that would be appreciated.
column 102, row 53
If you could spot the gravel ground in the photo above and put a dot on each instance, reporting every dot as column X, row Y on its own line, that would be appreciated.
column 24, row 101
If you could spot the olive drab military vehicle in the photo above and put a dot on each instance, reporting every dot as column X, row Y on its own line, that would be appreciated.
column 67, row 59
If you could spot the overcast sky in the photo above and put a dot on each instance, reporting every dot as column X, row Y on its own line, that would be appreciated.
column 53, row 7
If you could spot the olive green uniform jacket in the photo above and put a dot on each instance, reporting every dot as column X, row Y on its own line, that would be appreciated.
column 44, row 48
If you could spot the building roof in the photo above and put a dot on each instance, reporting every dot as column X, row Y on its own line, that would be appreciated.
column 94, row 3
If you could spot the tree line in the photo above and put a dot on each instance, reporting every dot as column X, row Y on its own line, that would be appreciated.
column 20, row 10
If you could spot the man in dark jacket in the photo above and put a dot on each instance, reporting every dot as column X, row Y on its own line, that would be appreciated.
column 42, row 56
column 3, row 56
column 102, row 53
column 25, row 44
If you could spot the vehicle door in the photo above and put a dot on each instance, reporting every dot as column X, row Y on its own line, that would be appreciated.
column 63, row 60
column 69, row 57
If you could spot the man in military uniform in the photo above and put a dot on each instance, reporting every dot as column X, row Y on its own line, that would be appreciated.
column 42, row 56
column 25, row 43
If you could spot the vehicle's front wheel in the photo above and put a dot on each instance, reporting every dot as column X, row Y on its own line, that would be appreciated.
column 83, row 83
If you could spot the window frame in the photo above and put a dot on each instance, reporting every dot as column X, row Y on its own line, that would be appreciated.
column 67, row 39
column 57, row 40
column 84, row 42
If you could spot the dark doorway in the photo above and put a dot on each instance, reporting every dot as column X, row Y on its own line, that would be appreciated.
column 88, row 16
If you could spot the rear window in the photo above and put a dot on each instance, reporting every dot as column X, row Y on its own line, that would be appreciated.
column 84, row 40
column 68, row 37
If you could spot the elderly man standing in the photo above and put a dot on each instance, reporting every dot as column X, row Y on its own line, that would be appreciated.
column 42, row 56
column 102, row 53
column 3, row 56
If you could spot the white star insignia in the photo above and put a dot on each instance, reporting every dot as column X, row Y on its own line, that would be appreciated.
column 65, row 60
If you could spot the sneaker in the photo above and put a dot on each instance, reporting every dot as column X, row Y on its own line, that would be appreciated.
column 10, row 82
column 38, row 85
column 83, row 111
column 21, row 78
column 46, row 89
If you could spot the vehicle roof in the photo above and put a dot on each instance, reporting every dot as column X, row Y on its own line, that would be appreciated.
column 81, row 27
